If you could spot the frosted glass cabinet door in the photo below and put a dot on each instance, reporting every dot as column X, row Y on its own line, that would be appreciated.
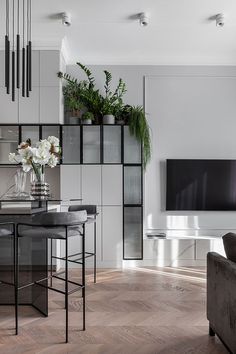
column 132, row 185
column 91, row 144
column 111, row 144
column 30, row 132
column 132, row 148
column 50, row 130
column 133, row 233
column 9, row 138
column 71, row 144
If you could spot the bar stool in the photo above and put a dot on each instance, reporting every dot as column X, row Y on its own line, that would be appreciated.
column 92, row 218
column 7, row 229
column 60, row 226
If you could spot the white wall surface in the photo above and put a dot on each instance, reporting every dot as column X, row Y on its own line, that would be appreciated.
column 192, row 114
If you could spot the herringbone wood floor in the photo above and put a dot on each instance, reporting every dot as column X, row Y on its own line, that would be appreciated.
column 141, row 311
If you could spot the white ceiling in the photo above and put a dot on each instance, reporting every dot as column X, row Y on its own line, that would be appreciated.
column 104, row 32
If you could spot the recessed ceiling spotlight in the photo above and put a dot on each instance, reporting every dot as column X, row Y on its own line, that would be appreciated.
column 66, row 18
column 143, row 19
column 220, row 20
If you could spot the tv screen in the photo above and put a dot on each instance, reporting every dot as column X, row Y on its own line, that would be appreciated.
column 201, row 185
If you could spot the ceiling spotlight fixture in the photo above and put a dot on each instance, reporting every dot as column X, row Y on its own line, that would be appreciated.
column 220, row 20
column 143, row 19
column 18, row 43
column 66, row 19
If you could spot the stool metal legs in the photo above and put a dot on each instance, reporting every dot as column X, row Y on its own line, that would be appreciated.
column 95, row 251
column 16, row 277
column 83, row 275
column 66, row 284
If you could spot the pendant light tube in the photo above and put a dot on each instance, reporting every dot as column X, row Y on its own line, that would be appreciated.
column 30, row 48
column 13, row 51
column 27, row 50
column 7, row 51
column 18, row 46
column 23, row 48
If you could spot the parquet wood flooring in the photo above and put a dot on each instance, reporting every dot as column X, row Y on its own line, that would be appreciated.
column 143, row 311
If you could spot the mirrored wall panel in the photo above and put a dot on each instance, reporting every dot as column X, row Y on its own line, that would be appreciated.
column 30, row 132
column 71, row 144
column 133, row 233
column 132, row 185
column 132, row 148
column 91, row 144
column 111, row 144
column 9, row 139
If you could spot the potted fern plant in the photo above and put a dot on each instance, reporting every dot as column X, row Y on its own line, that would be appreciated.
column 113, row 101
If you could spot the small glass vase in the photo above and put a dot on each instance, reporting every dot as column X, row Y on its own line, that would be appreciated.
column 39, row 188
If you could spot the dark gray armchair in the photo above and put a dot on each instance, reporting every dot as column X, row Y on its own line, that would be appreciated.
column 221, row 295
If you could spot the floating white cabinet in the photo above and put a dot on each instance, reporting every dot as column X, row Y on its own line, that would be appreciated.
column 112, row 241
column 112, row 191
column 170, row 250
column 91, row 184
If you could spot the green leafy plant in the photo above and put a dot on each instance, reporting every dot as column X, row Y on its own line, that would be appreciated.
column 138, row 127
column 88, row 115
column 113, row 101
column 71, row 94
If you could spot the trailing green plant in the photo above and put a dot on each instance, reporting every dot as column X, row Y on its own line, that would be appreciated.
column 88, row 115
column 138, row 127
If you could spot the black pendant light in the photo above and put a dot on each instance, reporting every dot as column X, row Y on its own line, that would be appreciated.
column 18, row 39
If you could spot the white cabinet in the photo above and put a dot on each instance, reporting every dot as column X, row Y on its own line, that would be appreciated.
column 112, row 240
column 2, row 71
column 29, row 107
column 49, row 67
column 9, row 109
column 70, row 181
column 49, row 105
column 171, row 250
column 91, row 184
column 112, row 184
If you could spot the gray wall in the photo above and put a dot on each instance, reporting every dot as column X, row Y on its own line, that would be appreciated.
column 192, row 114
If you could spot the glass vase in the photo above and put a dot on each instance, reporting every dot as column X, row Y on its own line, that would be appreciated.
column 20, row 184
column 39, row 188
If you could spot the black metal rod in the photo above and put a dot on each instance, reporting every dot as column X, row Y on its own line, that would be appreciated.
column 27, row 70
column 6, row 61
column 83, row 276
column 18, row 61
column 16, row 280
column 13, row 77
column 8, row 65
column 23, row 72
column 66, row 286
column 30, row 66
column 95, row 251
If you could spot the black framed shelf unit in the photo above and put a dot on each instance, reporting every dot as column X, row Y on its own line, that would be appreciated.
column 93, row 145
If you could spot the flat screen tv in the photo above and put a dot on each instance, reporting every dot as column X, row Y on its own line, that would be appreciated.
column 201, row 185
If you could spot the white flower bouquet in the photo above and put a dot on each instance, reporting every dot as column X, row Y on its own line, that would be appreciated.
column 45, row 153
